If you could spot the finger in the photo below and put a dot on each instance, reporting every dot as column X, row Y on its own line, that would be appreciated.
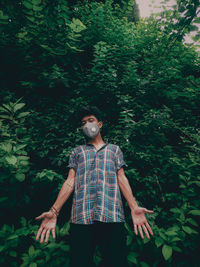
column 149, row 211
column 42, row 235
column 41, row 216
column 53, row 233
column 145, row 230
column 47, row 235
column 140, row 230
column 135, row 229
column 149, row 228
column 39, row 232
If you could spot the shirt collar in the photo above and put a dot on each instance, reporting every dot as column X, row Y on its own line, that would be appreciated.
column 106, row 143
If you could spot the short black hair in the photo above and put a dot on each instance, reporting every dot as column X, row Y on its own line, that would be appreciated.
column 88, row 111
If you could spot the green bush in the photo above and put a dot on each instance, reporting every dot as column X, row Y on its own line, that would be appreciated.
column 146, row 82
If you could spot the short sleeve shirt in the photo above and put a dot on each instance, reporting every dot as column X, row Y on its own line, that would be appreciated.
column 97, row 194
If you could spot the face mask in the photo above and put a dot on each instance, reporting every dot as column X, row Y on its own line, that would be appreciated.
column 91, row 129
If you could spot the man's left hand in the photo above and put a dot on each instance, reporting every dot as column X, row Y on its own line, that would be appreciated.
column 140, row 221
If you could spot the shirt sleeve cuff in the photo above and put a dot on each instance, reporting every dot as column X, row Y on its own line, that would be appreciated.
column 121, row 165
column 72, row 166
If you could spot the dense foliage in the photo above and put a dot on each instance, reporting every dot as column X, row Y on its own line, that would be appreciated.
column 59, row 56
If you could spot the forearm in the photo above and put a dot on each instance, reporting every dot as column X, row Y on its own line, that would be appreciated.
column 127, row 192
column 65, row 192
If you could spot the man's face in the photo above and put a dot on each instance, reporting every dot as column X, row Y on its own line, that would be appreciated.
column 90, row 118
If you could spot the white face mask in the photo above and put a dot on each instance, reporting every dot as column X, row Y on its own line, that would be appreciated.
column 91, row 129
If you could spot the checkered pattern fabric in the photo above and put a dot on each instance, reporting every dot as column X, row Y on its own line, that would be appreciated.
column 96, row 194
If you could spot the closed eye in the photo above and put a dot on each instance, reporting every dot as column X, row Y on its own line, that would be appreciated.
column 90, row 120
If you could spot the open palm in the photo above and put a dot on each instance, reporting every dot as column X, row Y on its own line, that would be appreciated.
column 140, row 221
column 48, row 224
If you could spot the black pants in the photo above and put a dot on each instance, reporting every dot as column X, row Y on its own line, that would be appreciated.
column 110, row 237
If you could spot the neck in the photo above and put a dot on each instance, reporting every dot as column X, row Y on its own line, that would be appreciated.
column 97, row 140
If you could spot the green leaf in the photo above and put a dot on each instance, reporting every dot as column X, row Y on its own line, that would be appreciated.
column 159, row 241
column 32, row 19
column 19, row 106
column 174, row 228
column 23, row 158
column 36, row 2
column 61, row 53
column 171, row 233
column 76, row 25
column 167, row 252
column 174, row 239
column 146, row 240
column 192, row 221
column 175, row 210
column 27, row 4
column 2, row 109
column 31, row 250
column 11, row 160
column 144, row 264
column 194, row 212
column 74, row 48
column 177, row 249
column 6, row 117
column 12, row 237
column 13, row 253
column 162, row 235
column 7, row 107
column 2, row 199
column 28, row 12
column 194, row 182
column 7, row 147
column 65, row 248
column 18, row 147
column 20, row 177
column 50, row 176
column 130, row 8
column 24, row 162
column 23, row 221
column 37, row 8
column 129, row 240
column 22, row 114
column 182, row 216
column 189, row 230
column 3, row 17
column 33, row 264
column 3, row 22
column 132, row 257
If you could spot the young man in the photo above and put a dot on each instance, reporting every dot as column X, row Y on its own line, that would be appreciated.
column 96, row 176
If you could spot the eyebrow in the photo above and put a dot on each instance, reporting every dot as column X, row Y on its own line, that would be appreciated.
column 88, row 119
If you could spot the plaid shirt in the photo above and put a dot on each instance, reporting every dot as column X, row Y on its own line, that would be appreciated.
column 96, row 193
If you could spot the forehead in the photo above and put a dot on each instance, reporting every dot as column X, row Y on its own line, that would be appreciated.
column 88, row 117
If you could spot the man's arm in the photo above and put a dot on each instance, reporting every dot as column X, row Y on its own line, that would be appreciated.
column 126, row 189
column 66, row 190
column 137, row 213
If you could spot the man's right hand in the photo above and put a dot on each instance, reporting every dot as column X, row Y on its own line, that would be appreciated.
column 48, row 224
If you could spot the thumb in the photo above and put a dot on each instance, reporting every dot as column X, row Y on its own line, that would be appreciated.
column 148, row 211
column 41, row 216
